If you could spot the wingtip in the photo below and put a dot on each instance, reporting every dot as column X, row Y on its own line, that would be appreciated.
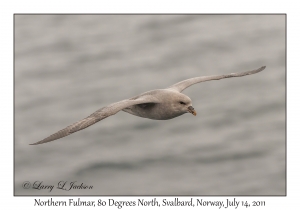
column 259, row 69
column 36, row 143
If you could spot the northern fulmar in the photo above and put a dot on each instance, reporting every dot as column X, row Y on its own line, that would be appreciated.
column 160, row 104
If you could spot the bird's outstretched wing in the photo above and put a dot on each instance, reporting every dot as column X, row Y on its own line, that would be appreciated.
column 180, row 86
column 97, row 116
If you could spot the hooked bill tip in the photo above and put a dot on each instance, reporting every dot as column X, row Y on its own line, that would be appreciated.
column 192, row 110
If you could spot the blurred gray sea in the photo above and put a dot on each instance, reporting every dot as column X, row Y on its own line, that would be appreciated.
column 68, row 66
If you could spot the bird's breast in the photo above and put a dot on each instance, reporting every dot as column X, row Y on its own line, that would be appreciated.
column 152, row 111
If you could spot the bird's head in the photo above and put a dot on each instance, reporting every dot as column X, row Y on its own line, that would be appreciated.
column 184, row 104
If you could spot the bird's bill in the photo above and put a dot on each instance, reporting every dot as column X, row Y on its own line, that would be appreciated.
column 192, row 110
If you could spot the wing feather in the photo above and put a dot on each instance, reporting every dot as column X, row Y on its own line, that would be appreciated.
column 98, row 116
column 180, row 86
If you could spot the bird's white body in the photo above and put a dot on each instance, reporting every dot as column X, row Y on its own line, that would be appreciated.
column 169, row 105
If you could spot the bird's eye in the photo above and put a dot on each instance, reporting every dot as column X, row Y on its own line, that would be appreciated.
column 181, row 102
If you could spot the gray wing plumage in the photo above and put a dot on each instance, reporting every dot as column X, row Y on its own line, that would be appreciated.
column 180, row 86
column 97, row 116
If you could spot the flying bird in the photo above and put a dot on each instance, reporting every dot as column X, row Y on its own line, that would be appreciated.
column 160, row 104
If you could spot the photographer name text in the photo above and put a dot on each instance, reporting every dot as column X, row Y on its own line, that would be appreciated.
column 61, row 185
